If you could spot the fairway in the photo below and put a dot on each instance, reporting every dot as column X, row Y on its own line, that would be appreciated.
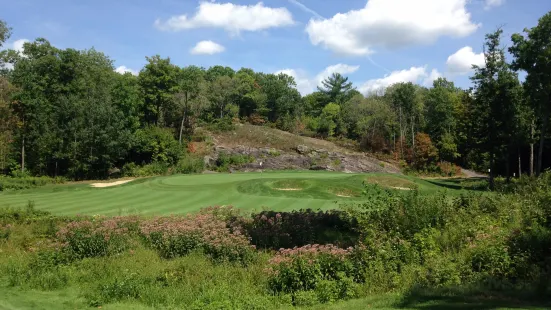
column 282, row 191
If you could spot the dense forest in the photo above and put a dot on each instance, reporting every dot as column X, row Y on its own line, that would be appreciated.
column 66, row 112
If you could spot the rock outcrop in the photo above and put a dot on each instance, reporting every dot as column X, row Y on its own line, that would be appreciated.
column 306, row 158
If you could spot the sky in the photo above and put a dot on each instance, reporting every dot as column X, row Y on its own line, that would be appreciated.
column 375, row 43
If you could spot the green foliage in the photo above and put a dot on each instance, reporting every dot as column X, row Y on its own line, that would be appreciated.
column 25, row 182
column 225, row 161
column 190, row 164
column 154, row 144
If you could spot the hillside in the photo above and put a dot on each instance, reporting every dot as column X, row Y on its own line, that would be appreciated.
column 278, row 150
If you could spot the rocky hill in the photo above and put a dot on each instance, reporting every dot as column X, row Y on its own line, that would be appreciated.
column 278, row 150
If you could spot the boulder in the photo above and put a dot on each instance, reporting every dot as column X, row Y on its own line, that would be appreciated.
column 302, row 149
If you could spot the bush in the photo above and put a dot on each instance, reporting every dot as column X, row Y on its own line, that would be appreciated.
column 152, row 169
column 153, row 144
column 275, row 230
column 225, row 160
column 190, row 164
column 96, row 237
column 179, row 235
column 8, row 183
column 302, row 269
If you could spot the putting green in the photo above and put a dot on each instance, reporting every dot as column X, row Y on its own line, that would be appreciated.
column 187, row 193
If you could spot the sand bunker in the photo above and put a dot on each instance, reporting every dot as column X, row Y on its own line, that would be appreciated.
column 288, row 189
column 109, row 184
column 402, row 188
column 341, row 195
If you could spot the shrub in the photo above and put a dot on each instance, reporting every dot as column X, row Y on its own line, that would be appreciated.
column 226, row 160
column 155, row 144
column 275, row 230
column 305, row 298
column 154, row 168
column 179, row 235
column 96, row 237
column 5, row 231
column 190, row 164
column 302, row 269
column 9, row 183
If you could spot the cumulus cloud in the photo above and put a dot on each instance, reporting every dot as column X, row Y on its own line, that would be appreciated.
column 493, row 4
column 307, row 85
column 434, row 75
column 124, row 69
column 18, row 45
column 391, row 24
column 461, row 61
column 234, row 18
column 207, row 48
column 417, row 75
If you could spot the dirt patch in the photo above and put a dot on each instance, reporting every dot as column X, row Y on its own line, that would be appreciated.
column 288, row 189
column 109, row 184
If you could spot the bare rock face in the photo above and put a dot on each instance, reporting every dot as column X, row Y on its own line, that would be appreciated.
column 307, row 159
column 302, row 149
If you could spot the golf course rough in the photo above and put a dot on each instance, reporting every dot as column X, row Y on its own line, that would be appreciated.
column 179, row 194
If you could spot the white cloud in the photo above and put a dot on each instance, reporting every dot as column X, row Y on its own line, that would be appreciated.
column 307, row 85
column 417, row 75
column 391, row 24
column 493, row 4
column 461, row 61
column 304, row 84
column 233, row 18
column 434, row 74
column 207, row 48
column 18, row 45
column 124, row 69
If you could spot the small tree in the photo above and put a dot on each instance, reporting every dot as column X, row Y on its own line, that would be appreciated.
column 425, row 152
column 329, row 119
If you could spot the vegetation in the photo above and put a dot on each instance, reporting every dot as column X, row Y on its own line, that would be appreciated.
column 401, row 246
column 66, row 112
column 181, row 194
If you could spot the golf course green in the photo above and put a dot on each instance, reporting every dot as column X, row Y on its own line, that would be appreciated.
column 177, row 194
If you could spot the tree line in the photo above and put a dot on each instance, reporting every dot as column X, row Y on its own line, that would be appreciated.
column 67, row 112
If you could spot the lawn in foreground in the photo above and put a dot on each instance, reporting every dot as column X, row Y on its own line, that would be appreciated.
column 282, row 191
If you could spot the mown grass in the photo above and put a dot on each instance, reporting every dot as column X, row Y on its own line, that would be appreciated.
column 188, row 193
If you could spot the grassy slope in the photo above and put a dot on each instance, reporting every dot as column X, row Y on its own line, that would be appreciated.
column 188, row 193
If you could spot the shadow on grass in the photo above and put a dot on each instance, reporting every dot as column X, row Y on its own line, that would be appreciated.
column 473, row 184
column 435, row 299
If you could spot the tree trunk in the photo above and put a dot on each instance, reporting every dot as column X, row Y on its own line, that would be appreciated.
column 181, row 128
column 492, row 186
column 183, row 119
column 401, row 135
column 413, row 137
column 519, row 164
column 542, row 140
column 23, row 156
column 532, row 150
column 508, row 164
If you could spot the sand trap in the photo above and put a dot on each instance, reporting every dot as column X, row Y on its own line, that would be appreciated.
column 110, row 183
column 288, row 189
column 345, row 196
column 403, row 188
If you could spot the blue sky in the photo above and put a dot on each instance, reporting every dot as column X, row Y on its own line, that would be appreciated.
column 374, row 42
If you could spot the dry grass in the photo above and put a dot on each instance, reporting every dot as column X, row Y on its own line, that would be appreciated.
column 258, row 136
